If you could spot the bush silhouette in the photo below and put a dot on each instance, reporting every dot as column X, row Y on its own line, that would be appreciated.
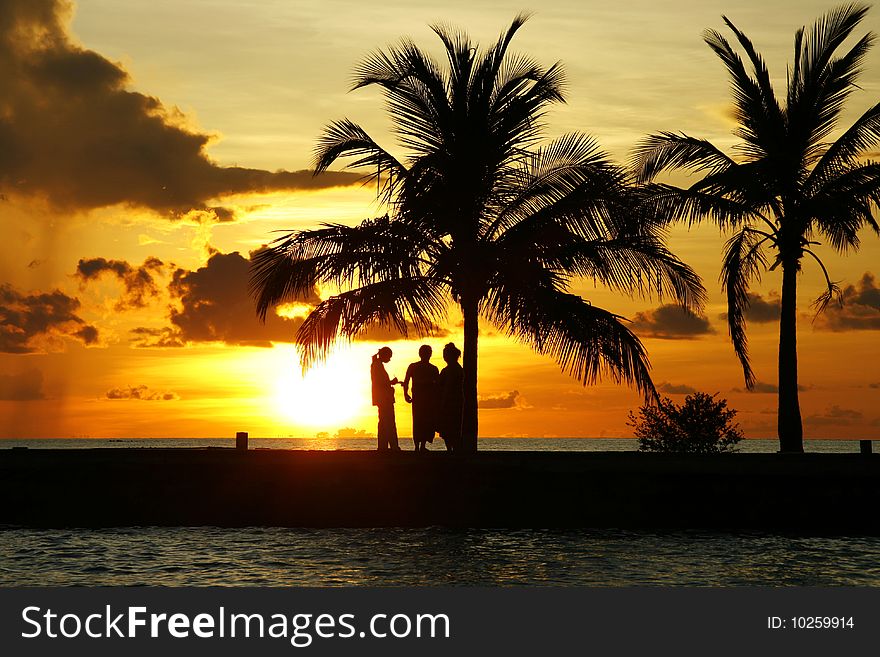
column 701, row 425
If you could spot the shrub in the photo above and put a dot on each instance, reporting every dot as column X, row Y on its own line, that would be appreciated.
column 701, row 425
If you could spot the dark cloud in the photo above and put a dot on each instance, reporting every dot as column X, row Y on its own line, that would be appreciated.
column 675, row 389
column 834, row 415
column 508, row 400
column 350, row 432
column 25, row 386
column 670, row 322
column 138, row 281
column 72, row 132
column 761, row 310
column 837, row 411
column 763, row 387
column 37, row 322
column 141, row 392
column 156, row 337
column 213, row 304
column 860, row 310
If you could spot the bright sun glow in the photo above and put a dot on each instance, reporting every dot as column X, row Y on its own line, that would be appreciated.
column 327, row 397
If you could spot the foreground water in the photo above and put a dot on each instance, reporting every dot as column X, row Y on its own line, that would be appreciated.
column 184, row 556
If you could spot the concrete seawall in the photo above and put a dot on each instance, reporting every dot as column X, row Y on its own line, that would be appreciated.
column 835, row 493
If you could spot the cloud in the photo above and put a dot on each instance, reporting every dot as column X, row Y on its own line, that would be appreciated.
column 350, row 432
column 25, row 386
column 761, row 310
column 834, row 415
column 675, row 389
column 860, row 310
column 138, row 281
column 37, row 322
column 670, row 322
column 156, row 337
column 213, row 304
column 140, row 392
column 506, row 400
column 72, row 131
column 763, row 387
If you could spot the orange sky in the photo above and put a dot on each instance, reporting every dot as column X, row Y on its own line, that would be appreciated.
column 148, row 147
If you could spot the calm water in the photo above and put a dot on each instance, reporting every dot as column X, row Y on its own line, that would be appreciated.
column 429, row 557
column 489, row 444
column 256, row 556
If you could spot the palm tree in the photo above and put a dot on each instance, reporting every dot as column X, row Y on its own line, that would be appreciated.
column 480, row 214
column 789, row 186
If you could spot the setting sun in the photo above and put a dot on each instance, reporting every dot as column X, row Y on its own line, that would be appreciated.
column 326, row 397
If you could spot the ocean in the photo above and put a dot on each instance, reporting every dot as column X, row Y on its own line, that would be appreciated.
column 269, row 556
column 434, row 556
column 489, row 444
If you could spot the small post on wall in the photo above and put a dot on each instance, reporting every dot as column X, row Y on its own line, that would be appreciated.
column 241, row 441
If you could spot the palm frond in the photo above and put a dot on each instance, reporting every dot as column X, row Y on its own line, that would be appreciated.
column 826, row 36
column 407, row 305
column 587, row 342
column 861, row 136
column 374, row 250
column 347, row 139
column 570, row 180
column 666, row 150
column 838, row 82
column 277, row 278
column 415, row 91
column 773, row 111
column 692, row 206
column 824, row 83
column 743, row 263
column 845, row 203
column 758, row 121
column 496, row 56
column 832, row 291
column 636, row 265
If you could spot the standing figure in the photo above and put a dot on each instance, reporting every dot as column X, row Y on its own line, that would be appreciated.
column 424, row 377
column 451, row 398
column 383, row 399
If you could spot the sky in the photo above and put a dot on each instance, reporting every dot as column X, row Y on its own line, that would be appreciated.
column 147, row 148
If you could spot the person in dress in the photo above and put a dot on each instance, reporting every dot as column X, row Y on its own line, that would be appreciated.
column 424, row 378
column 383, row 399
column 451, row 400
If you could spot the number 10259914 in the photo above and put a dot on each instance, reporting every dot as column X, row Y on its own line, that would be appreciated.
column 810, row 623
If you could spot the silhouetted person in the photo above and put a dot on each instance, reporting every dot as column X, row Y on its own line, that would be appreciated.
column 383, row 399
column 451, row 401
column 424, row 377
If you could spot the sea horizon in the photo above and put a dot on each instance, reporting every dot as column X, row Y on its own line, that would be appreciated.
column 577, row 444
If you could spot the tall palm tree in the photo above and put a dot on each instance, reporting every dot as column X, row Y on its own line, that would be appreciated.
column 789, row 186
column 480, row 214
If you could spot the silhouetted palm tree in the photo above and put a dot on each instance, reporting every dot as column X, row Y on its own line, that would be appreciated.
column 789, row 186
column 479, row 214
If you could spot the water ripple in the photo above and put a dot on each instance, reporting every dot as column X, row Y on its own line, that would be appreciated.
column 252, row 556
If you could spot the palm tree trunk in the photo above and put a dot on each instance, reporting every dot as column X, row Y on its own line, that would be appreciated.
column 469, row 416
column 791, row 432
